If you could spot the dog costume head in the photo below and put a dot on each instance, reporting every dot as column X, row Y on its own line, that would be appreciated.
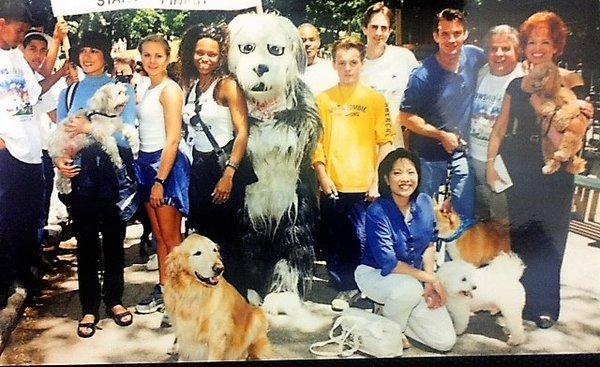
column 198, row 257
column 543, row 79
column 457, row 277
column 266, row 55
column 110, row 99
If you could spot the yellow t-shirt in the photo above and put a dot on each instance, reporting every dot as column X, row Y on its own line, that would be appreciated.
column 355, row 121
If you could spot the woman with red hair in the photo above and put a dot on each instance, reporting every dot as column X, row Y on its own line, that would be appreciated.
column 539, row 205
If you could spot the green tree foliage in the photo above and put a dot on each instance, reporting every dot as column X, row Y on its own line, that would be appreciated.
column 336, row 18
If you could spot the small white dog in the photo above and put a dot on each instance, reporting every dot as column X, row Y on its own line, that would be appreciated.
column 494, row 288
column 104, row 111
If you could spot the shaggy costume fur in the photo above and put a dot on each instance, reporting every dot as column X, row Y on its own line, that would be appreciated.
column 266, row 55
column 559, row 110
column 104, row 111
column 211, row 320
column 495, row 287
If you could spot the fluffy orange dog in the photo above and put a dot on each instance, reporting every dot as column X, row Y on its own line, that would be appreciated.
column 479, row 244
column 212, row 321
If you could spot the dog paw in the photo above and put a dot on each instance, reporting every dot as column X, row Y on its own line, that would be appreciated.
column 516, row 339
column 561, row 155
column 550, row 167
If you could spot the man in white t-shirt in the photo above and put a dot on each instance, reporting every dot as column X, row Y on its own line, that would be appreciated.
column 21, row 178
column 386, row 68
column 35, row 49
column 319, row 74
column 494, row 77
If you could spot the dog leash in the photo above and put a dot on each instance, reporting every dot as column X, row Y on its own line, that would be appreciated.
column 446, row 194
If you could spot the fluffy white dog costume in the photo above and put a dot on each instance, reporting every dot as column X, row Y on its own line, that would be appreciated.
column 104, row 111
column 493, row 287
column 267, row 56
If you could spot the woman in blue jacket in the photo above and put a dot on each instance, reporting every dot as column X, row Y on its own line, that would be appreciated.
column 398, row 263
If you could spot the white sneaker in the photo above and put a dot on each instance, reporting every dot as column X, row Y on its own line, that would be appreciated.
column 345, row 299
column 152, row 263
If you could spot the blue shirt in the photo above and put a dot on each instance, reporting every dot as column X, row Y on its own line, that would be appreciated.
column 390, row 239
column 443, row 99
column 86, row 89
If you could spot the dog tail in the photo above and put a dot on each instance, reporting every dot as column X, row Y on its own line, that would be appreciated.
column 254, row 298
column 509, row 264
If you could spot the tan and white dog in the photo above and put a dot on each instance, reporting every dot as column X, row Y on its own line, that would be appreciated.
column 104, row 111
column 212, row 321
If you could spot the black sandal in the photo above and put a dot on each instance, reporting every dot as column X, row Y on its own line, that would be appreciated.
column 118, row 317
column 87, row 325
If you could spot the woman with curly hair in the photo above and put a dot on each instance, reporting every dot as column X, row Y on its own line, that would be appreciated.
column 216, row 101
column 539, row 206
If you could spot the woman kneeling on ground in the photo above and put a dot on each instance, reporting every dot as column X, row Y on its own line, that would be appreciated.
column 398, row 263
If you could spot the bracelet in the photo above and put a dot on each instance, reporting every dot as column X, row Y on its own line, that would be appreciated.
column 232, row 165
column 160, row 181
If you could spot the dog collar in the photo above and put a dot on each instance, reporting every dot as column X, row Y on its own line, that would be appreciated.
column 93, row 113
column 466, row 224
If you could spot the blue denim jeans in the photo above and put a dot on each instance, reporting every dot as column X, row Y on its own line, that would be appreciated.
column 462, row 183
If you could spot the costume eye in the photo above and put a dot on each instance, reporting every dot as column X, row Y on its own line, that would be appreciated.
column 197, row 253
column 214, row 250
column 275, row 50
column 464, row 279
column 246, row 48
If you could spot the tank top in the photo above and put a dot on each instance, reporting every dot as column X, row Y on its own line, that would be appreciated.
column 216, row 117
column 152, row 119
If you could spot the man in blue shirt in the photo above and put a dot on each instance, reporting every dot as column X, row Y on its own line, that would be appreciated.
column 436, row 109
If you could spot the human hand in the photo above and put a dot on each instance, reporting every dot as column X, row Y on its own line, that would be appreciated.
column 586, row 107
column 327, row 185
column 157, row 195
column 492, row 177
column 78, row 125
column 372, row 193
column 450, row 141
column 71, row 75
column 222, row 190
column 66, row 167
column 61, row 29
column 435, row 295
column 2, row 144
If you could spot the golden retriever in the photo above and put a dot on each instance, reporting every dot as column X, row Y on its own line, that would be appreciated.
column 212, row 321
column 478, row 245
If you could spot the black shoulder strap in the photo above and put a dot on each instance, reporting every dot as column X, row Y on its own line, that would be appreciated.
column 209, row 135
column 70, row 95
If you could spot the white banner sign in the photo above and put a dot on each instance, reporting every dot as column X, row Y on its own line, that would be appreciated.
column 70, row 7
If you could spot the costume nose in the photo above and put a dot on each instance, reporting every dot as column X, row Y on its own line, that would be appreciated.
column 261, row 69
column 218, row 268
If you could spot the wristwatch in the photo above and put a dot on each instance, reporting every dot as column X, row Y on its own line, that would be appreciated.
column 160, row 181
column 232, row 165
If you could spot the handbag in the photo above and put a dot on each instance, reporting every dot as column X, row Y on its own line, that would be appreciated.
column 362, row 331
column 245, row 173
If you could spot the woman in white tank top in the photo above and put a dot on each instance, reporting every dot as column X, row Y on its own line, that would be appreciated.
column 216, row 195
column 163, row 171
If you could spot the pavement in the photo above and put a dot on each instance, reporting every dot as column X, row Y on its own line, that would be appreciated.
column 46, row 333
